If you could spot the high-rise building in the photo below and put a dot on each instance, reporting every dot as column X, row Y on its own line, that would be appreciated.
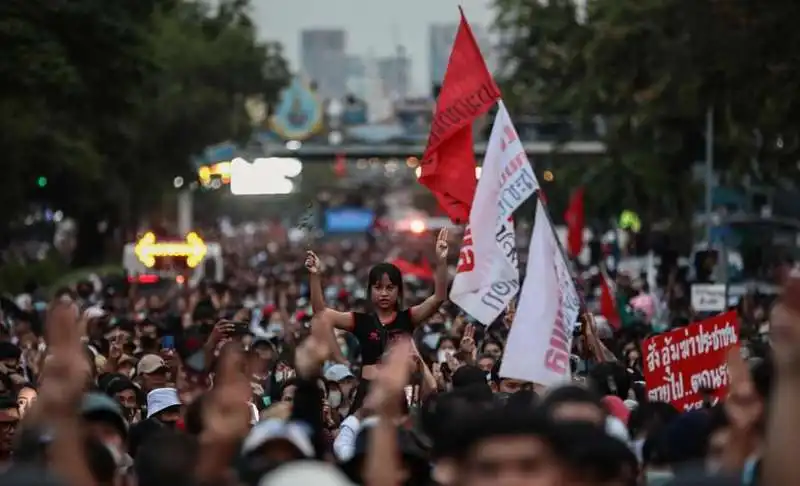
column 324, row 60
column 356, row 76
column 440, row 42
column 395, row 71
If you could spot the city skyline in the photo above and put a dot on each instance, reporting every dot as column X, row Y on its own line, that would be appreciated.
column 374, row 29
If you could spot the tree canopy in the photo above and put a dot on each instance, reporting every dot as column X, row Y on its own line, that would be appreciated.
column 109, row 101
column 646, row 73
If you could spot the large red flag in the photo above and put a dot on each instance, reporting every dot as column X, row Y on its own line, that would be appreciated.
column 468, row 91
column 575, row 223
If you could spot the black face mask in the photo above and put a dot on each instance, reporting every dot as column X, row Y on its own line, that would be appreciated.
column 172, row 425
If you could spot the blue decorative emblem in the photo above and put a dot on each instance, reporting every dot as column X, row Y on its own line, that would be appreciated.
column 299, row 114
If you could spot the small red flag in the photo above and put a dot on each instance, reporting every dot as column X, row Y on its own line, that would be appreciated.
column 575, row 223
column 608, row 301
column 468, row 91
column 340, row 167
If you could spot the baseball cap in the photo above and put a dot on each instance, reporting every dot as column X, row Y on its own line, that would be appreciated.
column 161, row 399
column 278, row 430
column 338, row 372
column 94, row 312
column 100, row 407
column 150, row 363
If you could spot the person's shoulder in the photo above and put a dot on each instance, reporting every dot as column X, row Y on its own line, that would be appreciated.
column 404, row 319
column 362, row 319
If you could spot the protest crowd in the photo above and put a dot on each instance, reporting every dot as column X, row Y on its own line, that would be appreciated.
column 314, row 364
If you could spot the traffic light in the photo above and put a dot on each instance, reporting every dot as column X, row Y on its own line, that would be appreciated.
column 41, row 181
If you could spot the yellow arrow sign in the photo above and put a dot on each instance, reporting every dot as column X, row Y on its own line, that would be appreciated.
column 147, row 249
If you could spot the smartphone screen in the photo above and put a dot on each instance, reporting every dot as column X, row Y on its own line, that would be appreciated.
column 240, row 328
column 168, row 342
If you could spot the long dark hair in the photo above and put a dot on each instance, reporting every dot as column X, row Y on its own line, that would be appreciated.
column 395, row 276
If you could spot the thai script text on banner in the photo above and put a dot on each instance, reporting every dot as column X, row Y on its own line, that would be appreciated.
column 540, row 339
column 680, row 365
column 487, row 274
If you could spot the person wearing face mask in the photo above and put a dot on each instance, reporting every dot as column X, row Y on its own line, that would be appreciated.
column 261, row 356
column 445, row 349
column 492, row 348
column 148, row 337
column 126, row 394
column 345, row 382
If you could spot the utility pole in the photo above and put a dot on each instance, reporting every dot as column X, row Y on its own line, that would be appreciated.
column 709, row 176
column 711, row 219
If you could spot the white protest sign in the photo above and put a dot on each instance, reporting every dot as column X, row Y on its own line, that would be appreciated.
column 709, row 297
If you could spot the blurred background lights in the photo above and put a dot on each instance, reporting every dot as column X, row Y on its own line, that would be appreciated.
column 548, row 176
column 417, row 226
column 478, row 170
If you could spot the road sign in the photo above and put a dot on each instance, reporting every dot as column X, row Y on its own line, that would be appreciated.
column 148, row 249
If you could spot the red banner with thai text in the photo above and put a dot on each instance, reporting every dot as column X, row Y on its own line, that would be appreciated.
column 681, row 365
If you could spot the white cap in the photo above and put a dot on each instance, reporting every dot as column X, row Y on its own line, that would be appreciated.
column 303, row 473
column 277, row 429
column 161, row 399
column 94, row 312
column 617, row 429
column 338, row 372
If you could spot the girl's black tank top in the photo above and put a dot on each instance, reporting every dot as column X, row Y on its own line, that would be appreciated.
column 375, row 337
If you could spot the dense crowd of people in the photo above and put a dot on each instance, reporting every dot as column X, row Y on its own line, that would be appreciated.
column 315, row 368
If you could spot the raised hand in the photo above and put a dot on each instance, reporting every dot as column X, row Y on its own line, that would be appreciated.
column 468, row 341
column 66, row 368
column 784, row 327
column 227, row 415
column 743, row 405
column 310, row 356
column 312, row 263
column 441, row 245
column 388, row 388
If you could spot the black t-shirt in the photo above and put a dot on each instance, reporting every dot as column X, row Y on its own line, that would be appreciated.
column 375, row 337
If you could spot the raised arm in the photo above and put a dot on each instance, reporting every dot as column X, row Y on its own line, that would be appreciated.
column 326, row 320
column 340, row 320
column 428, row 307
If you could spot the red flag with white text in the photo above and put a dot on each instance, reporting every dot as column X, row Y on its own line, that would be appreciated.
column 468, row 91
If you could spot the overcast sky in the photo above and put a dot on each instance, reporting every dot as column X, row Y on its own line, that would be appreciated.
column 373, row 26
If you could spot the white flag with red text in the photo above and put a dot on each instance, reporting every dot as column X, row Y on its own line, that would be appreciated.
column 487, row 275
column 540, row 340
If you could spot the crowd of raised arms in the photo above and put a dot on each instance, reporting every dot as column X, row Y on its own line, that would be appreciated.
column 326, row 370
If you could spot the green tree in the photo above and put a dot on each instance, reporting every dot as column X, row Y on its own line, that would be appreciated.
column 110, row 100
column 647, row 72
